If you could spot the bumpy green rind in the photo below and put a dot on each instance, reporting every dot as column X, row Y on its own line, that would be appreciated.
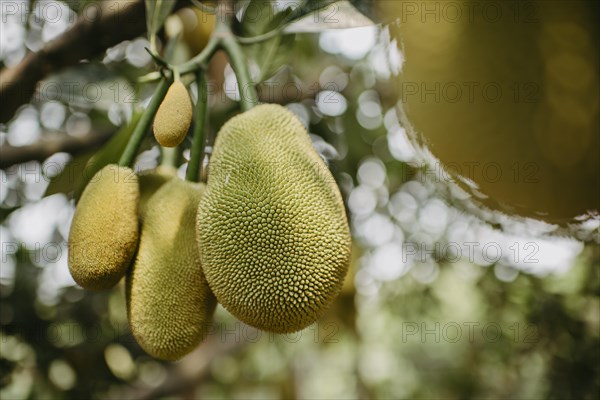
column 104, row 230
column 169, row 303
column 150, row 182
column 272, row 228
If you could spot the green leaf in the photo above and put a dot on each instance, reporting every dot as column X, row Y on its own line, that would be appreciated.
column 272, row 54
column 334, row 15
column 70, row 176
column 157, row 12
column 260, row 18
column 78, row 172
column 109, row 153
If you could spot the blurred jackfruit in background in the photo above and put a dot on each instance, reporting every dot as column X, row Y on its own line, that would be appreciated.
column 424, row 312
column 197, row 26
column 507, row 95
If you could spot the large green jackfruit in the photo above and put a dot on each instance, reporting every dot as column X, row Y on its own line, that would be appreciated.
column 272, row 228
column 169, row 303
column 174, row 116
column 151, row 181
column 104, row 231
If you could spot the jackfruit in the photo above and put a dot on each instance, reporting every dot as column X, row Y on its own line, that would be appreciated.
column 169, row 303
column 174, row 116
column 104, row 231
column 272, row 227
column 198, row 26
column 150, row 182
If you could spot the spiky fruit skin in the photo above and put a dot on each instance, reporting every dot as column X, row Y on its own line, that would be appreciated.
column 150, row 182
column 272, row 228
column 104, row 232
column 169, row 303
column 174, row 116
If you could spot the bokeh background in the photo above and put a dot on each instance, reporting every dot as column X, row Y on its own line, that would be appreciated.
column 448, row 296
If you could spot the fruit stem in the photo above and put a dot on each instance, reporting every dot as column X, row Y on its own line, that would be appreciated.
column 193, row 169
column 169, row 156
column 223, row 38
column 201, row 58
column 226, row 40
column 260, row 38
column 141, row 128
column 206, row 9
column 248, row 95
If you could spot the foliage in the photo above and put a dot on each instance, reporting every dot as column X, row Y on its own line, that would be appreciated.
column 526, row 336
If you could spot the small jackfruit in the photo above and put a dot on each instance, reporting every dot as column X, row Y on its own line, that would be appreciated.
column 174, row 116
column 104, row 231
column 272, row 227
column 169, row 303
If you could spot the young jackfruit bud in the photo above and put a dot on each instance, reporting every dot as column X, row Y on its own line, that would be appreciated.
column 272, row 229
column 169, row 303
column 174, row 116
column 104, row 231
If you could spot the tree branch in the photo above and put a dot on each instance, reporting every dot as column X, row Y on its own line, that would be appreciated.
column 99, row 28
column 53, row 143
